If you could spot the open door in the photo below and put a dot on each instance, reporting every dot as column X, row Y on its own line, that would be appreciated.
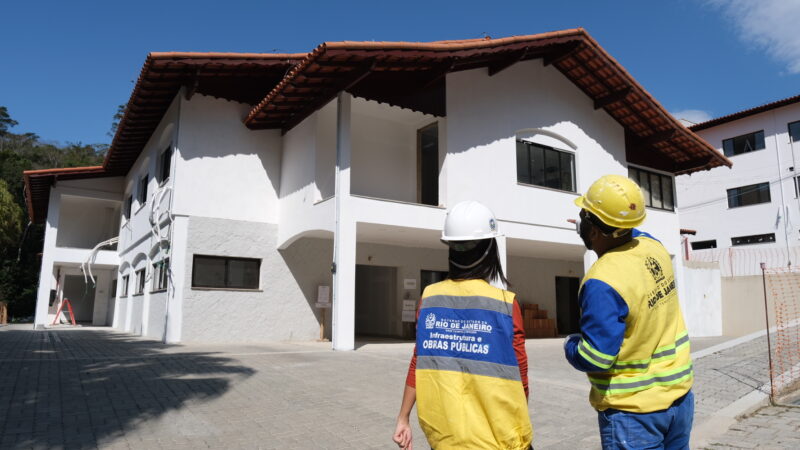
column 567, row 309
column 428, row 165
column 376, row 292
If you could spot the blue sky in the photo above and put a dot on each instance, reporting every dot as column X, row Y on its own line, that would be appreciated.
column 67, row 65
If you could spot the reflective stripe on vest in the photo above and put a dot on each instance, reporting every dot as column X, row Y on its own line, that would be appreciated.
column 469, row 366
column 661, row 353
column 613, row 386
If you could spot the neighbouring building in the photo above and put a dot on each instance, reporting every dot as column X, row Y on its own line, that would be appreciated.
column 747, row 214
column 753, row 205
column 240, row 186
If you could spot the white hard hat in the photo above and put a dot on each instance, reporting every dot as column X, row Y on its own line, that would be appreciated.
column 469, row 221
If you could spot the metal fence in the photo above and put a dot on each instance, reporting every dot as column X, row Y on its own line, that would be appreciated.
column 738, row 262
column 782, row 297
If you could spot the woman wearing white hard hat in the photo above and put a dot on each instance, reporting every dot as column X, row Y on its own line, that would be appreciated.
column 468, row 375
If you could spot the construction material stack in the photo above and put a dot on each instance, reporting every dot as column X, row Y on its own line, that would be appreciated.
column 536, row 323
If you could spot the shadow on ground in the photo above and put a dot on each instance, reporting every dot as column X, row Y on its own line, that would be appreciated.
column 85, row 388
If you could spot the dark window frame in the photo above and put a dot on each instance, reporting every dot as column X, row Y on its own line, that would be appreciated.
column 766, row 238
column 141, row 194
column 164, row 165
column 160, row 275
column 703, row 245
column 226, row 282
column 735, row 195
column 124, row 289
column 789, row 126
column 729, row 146
column 665, row 184
column 547, row 152
column 141, row 275
column 127, row 208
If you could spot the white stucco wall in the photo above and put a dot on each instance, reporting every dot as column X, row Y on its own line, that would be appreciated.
column 281, row 310
column 385, row 150
column 224, row 169
column 703, row 195
column 534, row 279
column 485, row 115
column 85, row 223
column 703, row 284
column 308, row 158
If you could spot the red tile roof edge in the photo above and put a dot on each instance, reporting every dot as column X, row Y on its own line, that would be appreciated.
column 745, row 113
column 380, row 45
column 669, row 117
column 27, row 174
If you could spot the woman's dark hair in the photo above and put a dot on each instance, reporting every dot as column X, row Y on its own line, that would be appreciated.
column 487, row 269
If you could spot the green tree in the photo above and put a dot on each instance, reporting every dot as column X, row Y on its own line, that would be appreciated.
column 10, row 218
column 6, row 121
column 20, row 245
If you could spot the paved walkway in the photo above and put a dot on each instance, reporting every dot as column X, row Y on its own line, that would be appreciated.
column 96, row 388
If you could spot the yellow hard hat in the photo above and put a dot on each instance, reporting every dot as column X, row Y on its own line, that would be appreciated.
column 616, row 200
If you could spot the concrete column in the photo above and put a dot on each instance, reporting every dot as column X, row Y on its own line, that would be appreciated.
column 502, row 255
column 589, row 258
column 344, row 239
column 47, row 279
column 180, row 277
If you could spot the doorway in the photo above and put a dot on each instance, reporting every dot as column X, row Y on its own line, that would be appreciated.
column 81, row 297
column 567, row 308
column 376, row 292
column 428, row 277
column 428, row 165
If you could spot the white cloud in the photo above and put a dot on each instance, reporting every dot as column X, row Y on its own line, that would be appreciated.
column 689, row 117
column 770, row 25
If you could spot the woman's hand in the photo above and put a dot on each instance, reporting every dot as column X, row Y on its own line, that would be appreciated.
column 402, row 435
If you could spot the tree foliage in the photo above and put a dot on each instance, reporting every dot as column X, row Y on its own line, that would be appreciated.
column 19, row 260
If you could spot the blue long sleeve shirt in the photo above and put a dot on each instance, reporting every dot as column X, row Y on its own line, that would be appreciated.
column 603, row 314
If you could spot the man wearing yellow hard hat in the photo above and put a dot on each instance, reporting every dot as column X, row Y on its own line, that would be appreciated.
column 633, row 342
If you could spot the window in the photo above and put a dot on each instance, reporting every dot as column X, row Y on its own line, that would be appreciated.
column 139, row 282
column 127, row 208
column 748, row 195
column 225, row 273
column 794, row 131
column 657, row 188
column 743, row 144
column 160, row 275
column 142, row 196
column 124, row 289
column 545, row 166
column 428, row 165
column 754, row 239
column 702, row 245
column 164, row 163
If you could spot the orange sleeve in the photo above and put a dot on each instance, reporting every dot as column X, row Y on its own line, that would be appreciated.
column 411, row 377
column 519, row 345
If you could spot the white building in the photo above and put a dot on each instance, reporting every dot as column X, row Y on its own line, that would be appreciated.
column 749, row 213
column 268, row 176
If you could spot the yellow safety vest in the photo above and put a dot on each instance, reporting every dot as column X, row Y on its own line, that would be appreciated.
column 653, row 367
column 469, row 391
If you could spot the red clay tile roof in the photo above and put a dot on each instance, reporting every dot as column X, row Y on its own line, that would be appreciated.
column 242, row 77
column 286, row 88
column 745, row 113
column 411, row 75
column 38, row 182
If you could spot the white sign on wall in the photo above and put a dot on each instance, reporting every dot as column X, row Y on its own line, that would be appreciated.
column 409, row 305
column 323, row 297
column 409, row 283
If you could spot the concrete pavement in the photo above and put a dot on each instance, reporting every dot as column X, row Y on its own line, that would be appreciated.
column 96, row 388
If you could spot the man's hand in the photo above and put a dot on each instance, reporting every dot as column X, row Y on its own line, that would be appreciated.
column 402, row 435
column 571, row 337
